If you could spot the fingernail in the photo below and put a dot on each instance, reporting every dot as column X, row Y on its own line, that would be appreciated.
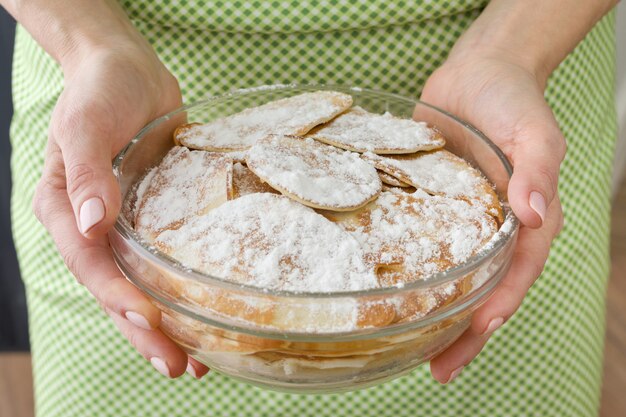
column 138, row 320
column 537, row 203
column 160, row 365
column 192, row 371
column 493, row 325
column 454, row 374
column 91, row 213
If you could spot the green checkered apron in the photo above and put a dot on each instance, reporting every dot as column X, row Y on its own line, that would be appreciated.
column 546, row 361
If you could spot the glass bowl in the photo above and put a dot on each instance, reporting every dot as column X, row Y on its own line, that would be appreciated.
column 311, row 342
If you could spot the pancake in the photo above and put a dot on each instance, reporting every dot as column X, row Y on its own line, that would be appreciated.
column 185, row 184
column 314, row 174
column 291, row 116
column 358, row 130
column 441, row 173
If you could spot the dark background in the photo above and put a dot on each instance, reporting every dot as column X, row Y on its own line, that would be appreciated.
column 13, row 320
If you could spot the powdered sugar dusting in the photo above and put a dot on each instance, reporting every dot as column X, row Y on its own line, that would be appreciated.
column 426, row 234
column 315, row 174
column 272, row 242
column 441, row 172
column 144, row 184
column 292, row 116
column 135, row 196
column 185, row 184
column 361, row 131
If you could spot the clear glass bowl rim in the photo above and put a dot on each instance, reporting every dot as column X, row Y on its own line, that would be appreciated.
column 162, row 259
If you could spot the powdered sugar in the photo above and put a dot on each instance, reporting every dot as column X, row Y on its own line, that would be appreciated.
column 360, row 131
column 315, row 174
column 440, row 172
column 135, row 196
column 186, row 183
column 144, row 184
column 293, row 116
column 425, row 234
column 272, row 242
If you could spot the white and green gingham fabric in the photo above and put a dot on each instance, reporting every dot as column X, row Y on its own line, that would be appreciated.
column 545, row 362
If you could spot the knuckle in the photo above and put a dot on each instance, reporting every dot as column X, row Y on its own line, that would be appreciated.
column 71, row 260
column 173, row 82
column 134, row 337
column 44, row 193
column 104, row 306
column 555, row 141
column 38, row 205
column 65, row 123
column 514, row 299
column 79, row 176
column 562, row 147
column 71, row 256
column 536, row 269
column 82, row 119
column 548, row 176
column 560, row 225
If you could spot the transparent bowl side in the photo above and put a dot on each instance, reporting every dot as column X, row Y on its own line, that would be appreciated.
column 252, row 311
column 311, row 367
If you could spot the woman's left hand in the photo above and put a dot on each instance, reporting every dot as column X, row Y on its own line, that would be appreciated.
column 505, row 101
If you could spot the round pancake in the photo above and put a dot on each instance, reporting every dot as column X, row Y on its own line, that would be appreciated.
column 292, row 116
column 314, row 174
column 428, row 234
column 442, row 173
column 358, row 130
column 269, row 241
column 185, row 184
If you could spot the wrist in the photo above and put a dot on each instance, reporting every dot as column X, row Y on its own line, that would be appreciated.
column 82, row 42
column 71, row 30
column 491, row 40
column 85, row 46
column 470, row 53
column 535, row 35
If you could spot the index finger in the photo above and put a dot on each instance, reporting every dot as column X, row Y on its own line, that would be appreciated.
column 90, row 260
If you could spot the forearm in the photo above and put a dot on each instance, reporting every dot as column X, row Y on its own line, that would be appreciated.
column 70, row 29
column 536, row 34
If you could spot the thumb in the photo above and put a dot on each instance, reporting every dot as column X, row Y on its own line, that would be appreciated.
column 91, row 185
column 537, row 156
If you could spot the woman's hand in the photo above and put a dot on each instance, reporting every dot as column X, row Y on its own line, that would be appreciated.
column 505, row 101
column 110, row 94
column 494, row 78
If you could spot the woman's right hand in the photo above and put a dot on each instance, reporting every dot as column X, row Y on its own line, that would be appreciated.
column 109, row 95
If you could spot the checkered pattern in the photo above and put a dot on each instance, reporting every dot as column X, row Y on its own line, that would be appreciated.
column 545, row 362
